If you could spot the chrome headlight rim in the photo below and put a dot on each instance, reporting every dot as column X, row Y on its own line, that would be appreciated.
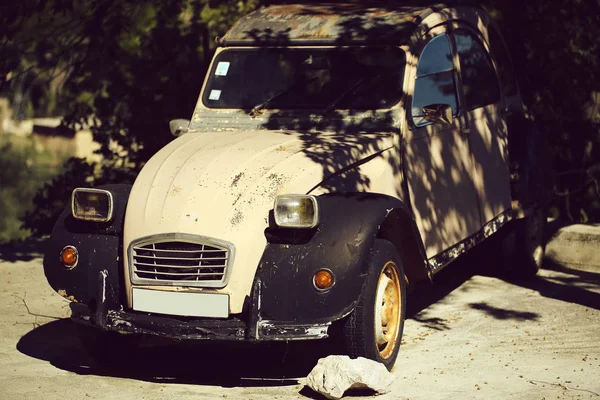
column 109, row 216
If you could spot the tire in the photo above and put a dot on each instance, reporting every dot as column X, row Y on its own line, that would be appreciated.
column 523, row 249
column 107, row 347
column 374, row 329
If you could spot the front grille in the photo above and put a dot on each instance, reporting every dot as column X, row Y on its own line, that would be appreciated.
column 167, row 262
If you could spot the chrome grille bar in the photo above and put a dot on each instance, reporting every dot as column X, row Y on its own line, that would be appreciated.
column 180, row 266
column 182, row 258
column 184, row 273
column 187, row 251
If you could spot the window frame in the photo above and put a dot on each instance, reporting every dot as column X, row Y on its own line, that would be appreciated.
column 423, row 43
column 457, row 28
column 449, row 29
column 206, row 88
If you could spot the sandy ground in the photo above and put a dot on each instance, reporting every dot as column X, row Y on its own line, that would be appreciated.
column 466, row 336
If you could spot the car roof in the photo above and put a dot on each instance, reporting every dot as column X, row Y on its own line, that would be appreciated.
column 328, row 24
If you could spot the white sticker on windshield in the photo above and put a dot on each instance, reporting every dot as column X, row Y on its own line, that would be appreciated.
column 214, row 94
column 222, row 68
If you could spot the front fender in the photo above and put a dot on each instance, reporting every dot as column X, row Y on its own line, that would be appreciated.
column 99, row 248
column 348, row 226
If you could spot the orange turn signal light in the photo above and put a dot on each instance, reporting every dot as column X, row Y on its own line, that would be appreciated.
column 323, row 279
column 69, row 256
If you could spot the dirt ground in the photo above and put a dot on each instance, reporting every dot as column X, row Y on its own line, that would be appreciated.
column 466, row 336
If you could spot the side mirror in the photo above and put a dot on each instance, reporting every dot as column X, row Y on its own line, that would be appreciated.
column 179, row 126
column 438, row 113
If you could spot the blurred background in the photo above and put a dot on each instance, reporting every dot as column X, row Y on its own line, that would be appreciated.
column 87, row 88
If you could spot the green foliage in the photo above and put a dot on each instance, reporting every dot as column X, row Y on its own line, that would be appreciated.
column 142, row 68
column 125, row 68
column 23, row 170
column 50, row 199
column 556, row 53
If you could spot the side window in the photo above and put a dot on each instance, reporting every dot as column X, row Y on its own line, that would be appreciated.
column 480, row 83
column 507, row 78
column 435, row 82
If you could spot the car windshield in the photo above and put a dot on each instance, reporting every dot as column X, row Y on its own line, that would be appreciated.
column 306, row 78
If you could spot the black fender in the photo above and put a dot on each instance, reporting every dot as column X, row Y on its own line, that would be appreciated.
column 349, row 224
column 100, row 262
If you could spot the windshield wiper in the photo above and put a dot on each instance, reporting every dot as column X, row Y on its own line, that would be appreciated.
column 256, row 110
column 356, row 84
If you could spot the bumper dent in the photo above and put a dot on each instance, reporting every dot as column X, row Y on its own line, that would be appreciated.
column 176, row 328
column 270, row 330
column 106, row 313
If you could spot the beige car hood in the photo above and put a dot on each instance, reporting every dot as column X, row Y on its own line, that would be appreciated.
column 223, row 184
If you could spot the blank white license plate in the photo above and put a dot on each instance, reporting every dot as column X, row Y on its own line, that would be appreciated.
column 181, row 303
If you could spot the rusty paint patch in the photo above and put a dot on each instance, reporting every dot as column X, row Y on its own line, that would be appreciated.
column 285, row 332
column 176, row 190
column 439, row 261
column 237, row 218
column 236, row 179
column 63, row 293
column 331, row 22
column 275, row 183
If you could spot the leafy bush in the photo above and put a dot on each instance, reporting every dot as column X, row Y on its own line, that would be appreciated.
column 132, row 66
column 23, row 170
column 53, row 197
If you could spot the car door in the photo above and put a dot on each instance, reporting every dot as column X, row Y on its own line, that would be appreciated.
column 438, row 161
column 485, row 126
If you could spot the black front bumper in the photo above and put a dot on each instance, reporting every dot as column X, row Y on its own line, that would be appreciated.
column 194, row 328
column 106, row 313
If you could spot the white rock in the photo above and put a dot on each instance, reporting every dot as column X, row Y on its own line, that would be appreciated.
column 333, row 375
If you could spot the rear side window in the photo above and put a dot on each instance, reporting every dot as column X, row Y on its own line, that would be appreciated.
column 435, row 82
column 480, row 83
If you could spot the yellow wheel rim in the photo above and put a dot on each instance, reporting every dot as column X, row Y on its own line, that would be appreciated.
column 388, row 302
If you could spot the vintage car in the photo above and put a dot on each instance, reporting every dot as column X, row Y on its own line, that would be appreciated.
column 337, row 155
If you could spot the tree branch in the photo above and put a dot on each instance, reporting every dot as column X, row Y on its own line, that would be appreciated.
column 560, row 385
column 31, row 313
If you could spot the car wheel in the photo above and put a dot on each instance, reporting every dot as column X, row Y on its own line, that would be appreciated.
column 107, row 347
column 523, row 250
column 374, row 329
column 530, row 236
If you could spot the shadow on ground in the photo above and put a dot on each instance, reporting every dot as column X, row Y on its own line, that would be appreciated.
column 25, row 250
column 445, row 282
column 226, row 364
column 231, row 364
column 572, row 286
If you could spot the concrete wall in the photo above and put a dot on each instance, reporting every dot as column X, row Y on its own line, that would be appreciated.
column 46, row 135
